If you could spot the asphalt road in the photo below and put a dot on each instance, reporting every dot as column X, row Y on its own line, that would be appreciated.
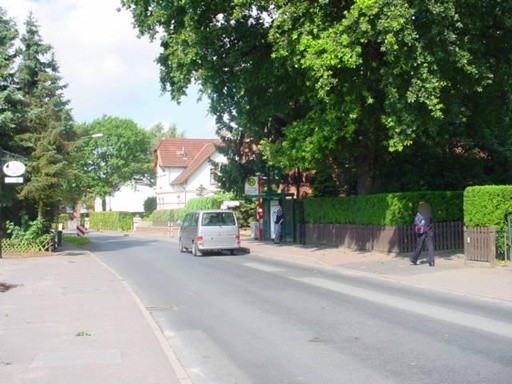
column 248, row 319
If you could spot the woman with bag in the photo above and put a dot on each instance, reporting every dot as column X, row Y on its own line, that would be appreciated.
column 424, row 233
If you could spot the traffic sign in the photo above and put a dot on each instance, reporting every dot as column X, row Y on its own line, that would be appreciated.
column 14, row 168
column 13, row 180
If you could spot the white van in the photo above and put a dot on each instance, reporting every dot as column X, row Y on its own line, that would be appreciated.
column 209, row 231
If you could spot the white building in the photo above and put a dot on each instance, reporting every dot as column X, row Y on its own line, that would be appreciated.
column 129, row 198
column 184, row 170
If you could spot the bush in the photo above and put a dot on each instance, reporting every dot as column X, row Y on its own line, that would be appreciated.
column 149, row 205
column 113, row 221
column 28, row 231
column 246, row 213
column 489, row 206
column 382, row 209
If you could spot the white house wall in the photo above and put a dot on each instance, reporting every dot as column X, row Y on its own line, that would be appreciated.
column 176, row 196
column 129, row 198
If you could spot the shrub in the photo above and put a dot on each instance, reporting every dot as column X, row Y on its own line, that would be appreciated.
column 114, row 221
column 382, row 209
column 149, row 205
column 28, row 231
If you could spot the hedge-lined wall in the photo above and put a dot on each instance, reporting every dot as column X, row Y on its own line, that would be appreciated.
column 383, row 209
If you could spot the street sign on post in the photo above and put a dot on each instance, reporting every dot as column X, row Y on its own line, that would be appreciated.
column 14, row 168
column 13, row 180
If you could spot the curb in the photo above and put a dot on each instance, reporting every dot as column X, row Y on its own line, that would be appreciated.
column 175, row 363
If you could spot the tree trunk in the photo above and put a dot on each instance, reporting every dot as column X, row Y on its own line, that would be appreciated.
column 364, row 175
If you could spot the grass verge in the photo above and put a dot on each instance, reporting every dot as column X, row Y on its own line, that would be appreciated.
column 76, row 240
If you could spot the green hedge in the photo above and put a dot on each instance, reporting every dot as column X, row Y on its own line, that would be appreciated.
column 487, row 205
column 196, row 204
column 163, row 215
column 114, row 221
column 382, row 209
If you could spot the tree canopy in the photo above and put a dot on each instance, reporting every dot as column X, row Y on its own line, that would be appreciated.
column 382, row 95
column 37, row 116
column 119, row 153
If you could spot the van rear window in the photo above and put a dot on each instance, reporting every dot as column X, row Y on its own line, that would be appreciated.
column 218, row 218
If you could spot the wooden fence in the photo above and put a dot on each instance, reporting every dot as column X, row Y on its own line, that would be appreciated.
column 46, row 244
column 392, row 239
column 480, row 244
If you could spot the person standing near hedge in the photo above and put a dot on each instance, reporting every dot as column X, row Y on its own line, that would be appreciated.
column 423, row 227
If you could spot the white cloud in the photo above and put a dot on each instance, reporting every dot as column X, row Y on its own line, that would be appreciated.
column 107, row 68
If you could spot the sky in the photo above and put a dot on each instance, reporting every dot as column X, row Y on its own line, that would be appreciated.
column 108, row 69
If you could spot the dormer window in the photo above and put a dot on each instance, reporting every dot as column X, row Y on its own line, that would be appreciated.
column 182, row 153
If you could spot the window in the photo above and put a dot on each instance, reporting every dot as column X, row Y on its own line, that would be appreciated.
column 218, row 218
column 214, row 172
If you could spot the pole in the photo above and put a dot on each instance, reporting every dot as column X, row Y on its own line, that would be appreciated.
column 2, row 182
column 260, row 228
column 1, row 202
column 1, row 205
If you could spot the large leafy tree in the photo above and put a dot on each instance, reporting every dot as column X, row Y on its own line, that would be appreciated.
column 368, row 91
column 398, row 83
column 105, row 163
column 224, row 46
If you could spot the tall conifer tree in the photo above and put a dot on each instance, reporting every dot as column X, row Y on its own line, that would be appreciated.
column 48, row 123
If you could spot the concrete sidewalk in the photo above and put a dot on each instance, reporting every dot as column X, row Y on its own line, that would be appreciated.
column 68, row 318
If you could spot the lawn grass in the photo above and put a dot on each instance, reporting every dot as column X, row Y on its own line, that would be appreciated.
column 76, row 240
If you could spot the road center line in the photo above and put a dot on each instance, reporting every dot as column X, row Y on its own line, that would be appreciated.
column 433, row 311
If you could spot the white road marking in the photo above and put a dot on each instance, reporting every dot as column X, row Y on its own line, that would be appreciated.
column 456, row 317
column 264, row 267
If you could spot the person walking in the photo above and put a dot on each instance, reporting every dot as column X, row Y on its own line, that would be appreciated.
column 423, row 227
column 278, row 222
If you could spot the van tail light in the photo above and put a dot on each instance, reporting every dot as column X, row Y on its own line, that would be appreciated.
column 199, row 240
column 237, row 239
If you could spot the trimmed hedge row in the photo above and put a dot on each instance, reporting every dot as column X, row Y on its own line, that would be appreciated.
column 382, row 209
column 487, row 205
column 173, row 215
column 114, row 221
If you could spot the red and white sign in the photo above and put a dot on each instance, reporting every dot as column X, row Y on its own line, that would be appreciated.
column 80, row 230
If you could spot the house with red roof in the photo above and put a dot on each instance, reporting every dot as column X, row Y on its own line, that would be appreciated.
column 185, row 169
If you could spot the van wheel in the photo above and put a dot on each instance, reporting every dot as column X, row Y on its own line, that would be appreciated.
column 182, row 248
column 195, row 250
